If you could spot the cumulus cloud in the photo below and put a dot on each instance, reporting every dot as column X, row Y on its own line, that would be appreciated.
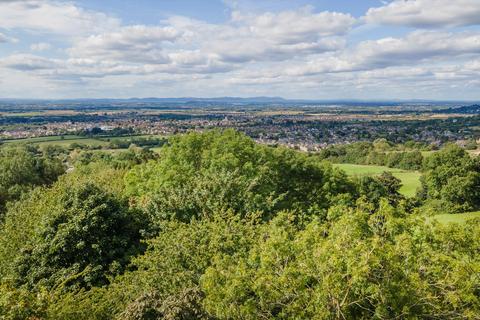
column 426, row 13
column 56, row 17
column 133, row 43
column 291, row 51
column 295, row 26
column 280, row 36
column 415, row 48
column 182, row 44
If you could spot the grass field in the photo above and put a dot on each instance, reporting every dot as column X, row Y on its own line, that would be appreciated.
column 45, row 139
column 67, row 140
column 410, row 179
column 63, row 141
column 456, row 218
column 67, row 143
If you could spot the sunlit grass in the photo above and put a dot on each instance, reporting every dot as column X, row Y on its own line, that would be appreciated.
column 410, row 179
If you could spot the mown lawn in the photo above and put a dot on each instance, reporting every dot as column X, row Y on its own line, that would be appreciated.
column 456, row 218
column 410, row 179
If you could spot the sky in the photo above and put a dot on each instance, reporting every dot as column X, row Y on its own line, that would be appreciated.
column 301, row 49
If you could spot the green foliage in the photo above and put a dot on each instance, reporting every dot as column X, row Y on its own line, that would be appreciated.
column 198, row 174
column 120, row 160
column 23, row 168
column 20, row 304
column 379, row 153
column 235, row 230
column 168, row 274
column 72, row 235
column 358, row 266
column 86, row 236
column 471, row 144
column 384, row 186
column 452, row 177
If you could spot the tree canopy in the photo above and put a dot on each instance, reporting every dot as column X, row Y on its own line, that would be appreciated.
column 198, row 174
column 452, row 177
column 219, row 227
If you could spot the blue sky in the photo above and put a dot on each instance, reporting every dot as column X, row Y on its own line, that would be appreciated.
column 322, row 49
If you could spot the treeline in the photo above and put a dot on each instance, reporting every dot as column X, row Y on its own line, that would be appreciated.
column 380, row 152
column 450, row 177
column 124, row 143
column 97, row 131
column 219, row 227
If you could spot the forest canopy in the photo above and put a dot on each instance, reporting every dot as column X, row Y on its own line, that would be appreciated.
column 219, row 227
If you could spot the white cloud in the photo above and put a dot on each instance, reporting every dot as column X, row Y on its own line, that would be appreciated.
column 4, row 38
column 295, row 26
column 40, row 46
column 416, row 48
column 182, row 44
column 28, row 62
column 280, row 36
column 64, row 18
column 133, row 43
column 295, row 52
column 186, row 46
column 426, row 13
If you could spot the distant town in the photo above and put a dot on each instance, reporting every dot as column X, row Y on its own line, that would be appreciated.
column 304, row 126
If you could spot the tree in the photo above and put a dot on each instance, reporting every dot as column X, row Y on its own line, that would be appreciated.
column 198, row 174
column 22, row 168
column 72, row 235
column 362, row 265
column 452, row 176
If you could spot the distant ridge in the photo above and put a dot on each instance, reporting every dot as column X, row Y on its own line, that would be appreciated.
column 472, row 109
column 450, row 106
column 215, row 99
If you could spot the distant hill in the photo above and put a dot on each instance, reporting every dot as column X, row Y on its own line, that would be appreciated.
column 412, row 105
column 216, row 99
column 472, row 109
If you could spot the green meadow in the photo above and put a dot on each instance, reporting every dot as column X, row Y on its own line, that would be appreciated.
column 67, row 140
column 410, row 179
column 457, row 218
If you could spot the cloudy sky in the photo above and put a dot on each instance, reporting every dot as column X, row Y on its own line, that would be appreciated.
column 317, row 49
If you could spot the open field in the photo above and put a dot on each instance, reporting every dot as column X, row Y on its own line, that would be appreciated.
column 410, row 179
column 67, row 140
column 63, row 141
column 457, row 218
column 45, row 139
column 66, row 143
